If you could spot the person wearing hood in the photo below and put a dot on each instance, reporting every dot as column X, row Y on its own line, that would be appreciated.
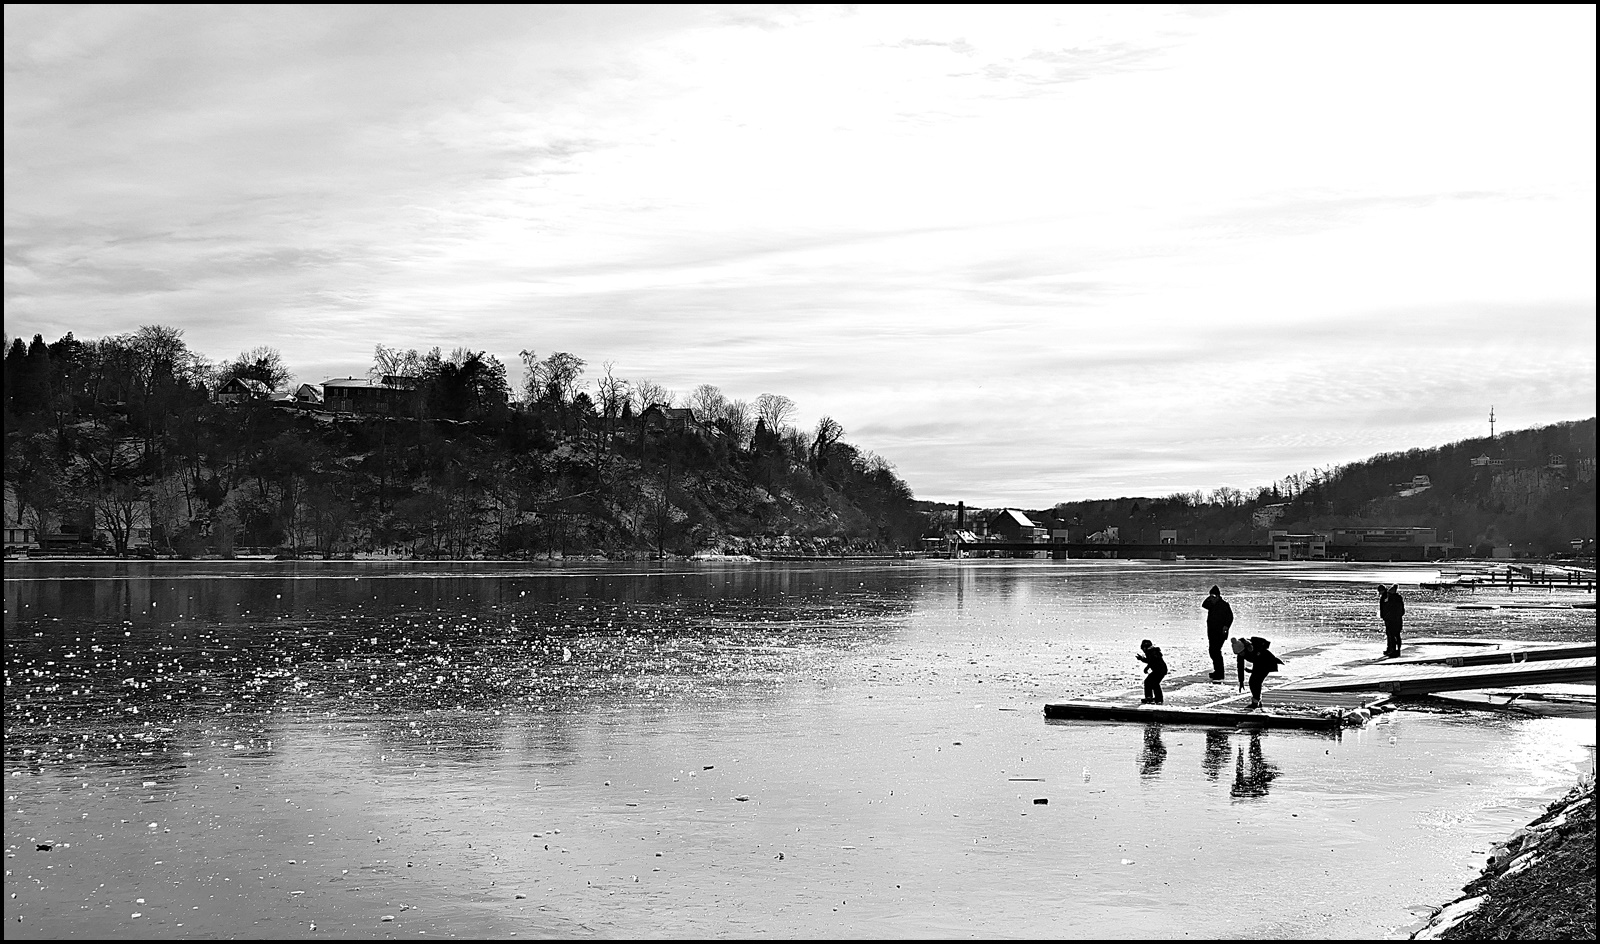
column 1392, row 608
column 1155, row 667
column 1263, row 662
column 1219, row 616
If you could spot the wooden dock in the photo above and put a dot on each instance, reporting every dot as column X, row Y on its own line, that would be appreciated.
column 1501, row 655
column 1196, row 699
column 1343, row 693
column 1426, row 679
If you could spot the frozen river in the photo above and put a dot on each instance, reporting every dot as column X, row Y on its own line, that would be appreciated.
column 722, row 750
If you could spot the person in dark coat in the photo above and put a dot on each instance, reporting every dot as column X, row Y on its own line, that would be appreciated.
column 1392, row 607
column 1263, row 662
column 1219, row 616
column 1155, row 667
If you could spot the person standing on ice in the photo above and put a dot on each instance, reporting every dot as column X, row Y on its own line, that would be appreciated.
column 1219, row 616
column 1392, row 607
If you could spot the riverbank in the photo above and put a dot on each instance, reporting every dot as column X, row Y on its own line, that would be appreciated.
column 1538, row 885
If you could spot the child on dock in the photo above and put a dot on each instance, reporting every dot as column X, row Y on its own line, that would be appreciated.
column 1155, row 667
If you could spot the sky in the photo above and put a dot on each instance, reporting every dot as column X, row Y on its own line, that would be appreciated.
column 1026, row 254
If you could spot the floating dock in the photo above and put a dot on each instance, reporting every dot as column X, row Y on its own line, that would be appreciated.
column 1502, row 655
column 1196, row 699
column 1343, row 693
column 1427, row 679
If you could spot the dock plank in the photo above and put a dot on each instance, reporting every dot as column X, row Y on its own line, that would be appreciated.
column 1417, row 679
column 1505, row 655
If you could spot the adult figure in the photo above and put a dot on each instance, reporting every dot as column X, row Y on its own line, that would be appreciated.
column 1219, row 616
column 1263, row 662
column 1392, row 607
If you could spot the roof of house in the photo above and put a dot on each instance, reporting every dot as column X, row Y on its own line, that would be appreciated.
column 358, row 382
column 1016, row 517
column 254, row 386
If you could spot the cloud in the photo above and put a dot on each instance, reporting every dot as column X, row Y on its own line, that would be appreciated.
column 1027, row 254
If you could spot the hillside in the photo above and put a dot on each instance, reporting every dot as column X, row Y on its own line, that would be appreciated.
column 1531, row 490
column 136, row 443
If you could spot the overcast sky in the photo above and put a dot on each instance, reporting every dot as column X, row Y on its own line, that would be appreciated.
column 1027, row 255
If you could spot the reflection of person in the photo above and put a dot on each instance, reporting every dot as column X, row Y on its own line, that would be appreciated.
column 1154, row 753
column 1219, row 616
column 1252, row 778
column 1216, row 754
column 1392, row 607
column 1155, row 667
column 1263, row 661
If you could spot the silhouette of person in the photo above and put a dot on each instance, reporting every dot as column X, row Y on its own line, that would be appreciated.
column 1155, row 667
column 1263, row 661
column 1392, row 607
column 1219, row 616
column 1216, row 754
column 1252, row 779
column 1153, row 754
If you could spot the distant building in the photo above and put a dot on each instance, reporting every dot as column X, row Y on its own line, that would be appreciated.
column 1287, row 546
column 1013, row 525
column 1111, row 535
column 239, row 390
column 1169, row 536
column 1417, row 485
column 1264, row 516
column 1486, row 462
column 391, row 395
column 656, row 416
column 19, row 534
column 1399, row 543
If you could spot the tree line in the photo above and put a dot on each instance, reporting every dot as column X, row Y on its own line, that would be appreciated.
column 1531, row 489
column 126, row 437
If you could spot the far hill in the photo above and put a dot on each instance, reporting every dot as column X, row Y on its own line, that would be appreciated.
column 1532, row 490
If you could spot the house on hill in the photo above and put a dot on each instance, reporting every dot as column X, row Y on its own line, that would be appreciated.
column 389, row 396
column 656, row 416
column 240, row 390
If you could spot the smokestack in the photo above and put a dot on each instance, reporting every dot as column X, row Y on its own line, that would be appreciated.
column 961, row 516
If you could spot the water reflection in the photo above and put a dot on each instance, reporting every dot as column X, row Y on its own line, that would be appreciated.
column 1216, row 754
column 1153, row 754
column 1253, row 773
column 443, row 662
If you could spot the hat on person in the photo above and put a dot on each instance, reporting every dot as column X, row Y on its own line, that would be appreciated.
column 1145, row 644
column 1216, row 591
column 1239, row 645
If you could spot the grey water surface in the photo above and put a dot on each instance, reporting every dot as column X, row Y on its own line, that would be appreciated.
column 722, row 750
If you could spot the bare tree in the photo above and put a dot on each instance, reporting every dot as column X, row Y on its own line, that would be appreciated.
column 557, row 375
column 828, row 433
column 741, row 420
column 775, row 409
column 263, row 364
column 611, row 393
column 708, row 403
column 393, row 362
column 647, row 393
